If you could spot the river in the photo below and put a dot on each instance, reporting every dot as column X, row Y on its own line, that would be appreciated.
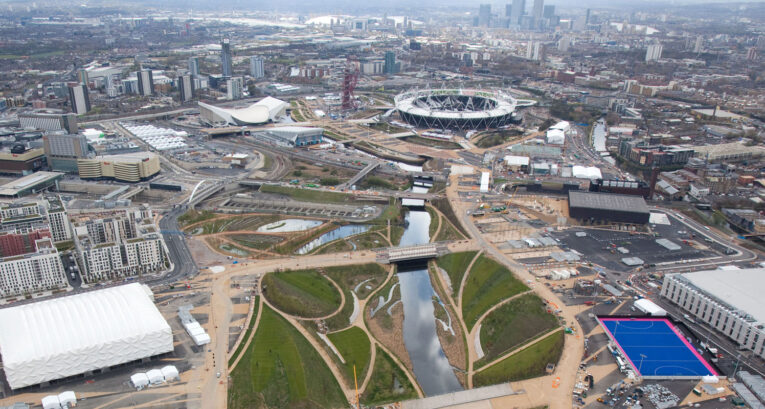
column 431, row 367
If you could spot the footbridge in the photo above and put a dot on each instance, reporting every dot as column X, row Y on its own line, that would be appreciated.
column 370, row 167
column 408, row 253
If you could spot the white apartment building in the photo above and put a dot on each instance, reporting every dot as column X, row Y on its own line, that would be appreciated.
column 32, row 272
column 727, row 300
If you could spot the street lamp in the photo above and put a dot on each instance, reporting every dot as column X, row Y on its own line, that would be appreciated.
column 640, row 367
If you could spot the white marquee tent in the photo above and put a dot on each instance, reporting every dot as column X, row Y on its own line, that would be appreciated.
column 170, row 372
column 71, row 335
column 139, row 380
column 155, row 376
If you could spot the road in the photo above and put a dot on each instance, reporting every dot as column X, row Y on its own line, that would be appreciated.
column 183, row 264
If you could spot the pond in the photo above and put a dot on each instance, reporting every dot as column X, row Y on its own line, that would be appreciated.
column 339, row 233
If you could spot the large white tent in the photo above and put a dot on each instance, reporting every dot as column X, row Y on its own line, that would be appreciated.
column 71, row 335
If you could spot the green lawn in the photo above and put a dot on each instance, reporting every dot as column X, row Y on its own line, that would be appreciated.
column 337, row 246
column 246, row 331
column 256, row 241
column 308, row 195
column 487, row 283
column 353, row 344
column 448, row 232
column 382, row 385
column 514, row 324
column 455, row 265
column 282, row 370
column 304, row 293
column 194, row 216
column 528, row 363
column 348, row 277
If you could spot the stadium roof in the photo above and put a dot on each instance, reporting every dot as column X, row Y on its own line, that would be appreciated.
column 70, row 335
column 607, row 201
column 740, row 289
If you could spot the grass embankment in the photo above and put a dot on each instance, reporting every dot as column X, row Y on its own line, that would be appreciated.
column 527, row 363
column 433, row 143
column 353, row 344
column 246, row 334
column 455, row 265
column 388, row 382
column 513, row 324
column 488, row 283
column 256, row 241
column 443, row 206
column 448, row 232
column 308, row 195
column 387, row 128
column 435, row 219
column 491, row 139
column 303, row 293
column 194, row 216
column 348, row 277
column 280, row 369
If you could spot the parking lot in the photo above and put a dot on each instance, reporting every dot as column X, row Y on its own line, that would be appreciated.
column 607, row 248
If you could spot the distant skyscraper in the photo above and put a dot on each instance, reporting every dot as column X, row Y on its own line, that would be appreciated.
column 548, row 11
column 751, row 54
column 563, row 44
column 484, row 15
column 587, row 17
column 699, row 44
column 256, row 67
column 225, row 58
column 145, row 82
column 537, row 11
column 194, row 66
column 390, row 62
column 519, row 7
column 235, row 87
column 186, row 87
column 82, row 76
column 78, row 97
column 534, row 51
column 653, row 52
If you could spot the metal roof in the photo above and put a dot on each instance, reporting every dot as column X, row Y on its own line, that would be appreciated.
column 742, row 289
column 607, row 201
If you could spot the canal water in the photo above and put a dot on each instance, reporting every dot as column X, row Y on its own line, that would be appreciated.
column 431, row 367
column 339, row 233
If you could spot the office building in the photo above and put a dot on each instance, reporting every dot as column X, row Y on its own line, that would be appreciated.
column 225, row 58
column 82, row 76
column 145, row 82
column 653, row 52
column 518, row 8
column 727, row 300
column 548, row 11
column 257, row 69
column 537, row 12
column 63, row 150
column 194, row 66
column 564, row 43
column 235, row 88
column 698, row 46
column 390, row 63
column 40, row 270
column 127, row 167
column 48, row 122
column 111, row 88
column 78, row 98
column 186, row 87
column 484, row 15
column 751, row 54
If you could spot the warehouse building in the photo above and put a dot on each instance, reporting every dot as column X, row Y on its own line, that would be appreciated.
column 729, row 301
column 607, row 208
column 127, row 167
column 73, row 335
column 31, row 184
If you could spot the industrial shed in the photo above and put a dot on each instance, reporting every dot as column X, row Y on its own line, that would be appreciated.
column 605, row 207
column 68, row 336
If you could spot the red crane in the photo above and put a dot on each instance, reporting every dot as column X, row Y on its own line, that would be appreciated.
column 350, row 78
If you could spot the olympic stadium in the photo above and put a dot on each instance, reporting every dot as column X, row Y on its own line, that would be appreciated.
column 457, row 109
